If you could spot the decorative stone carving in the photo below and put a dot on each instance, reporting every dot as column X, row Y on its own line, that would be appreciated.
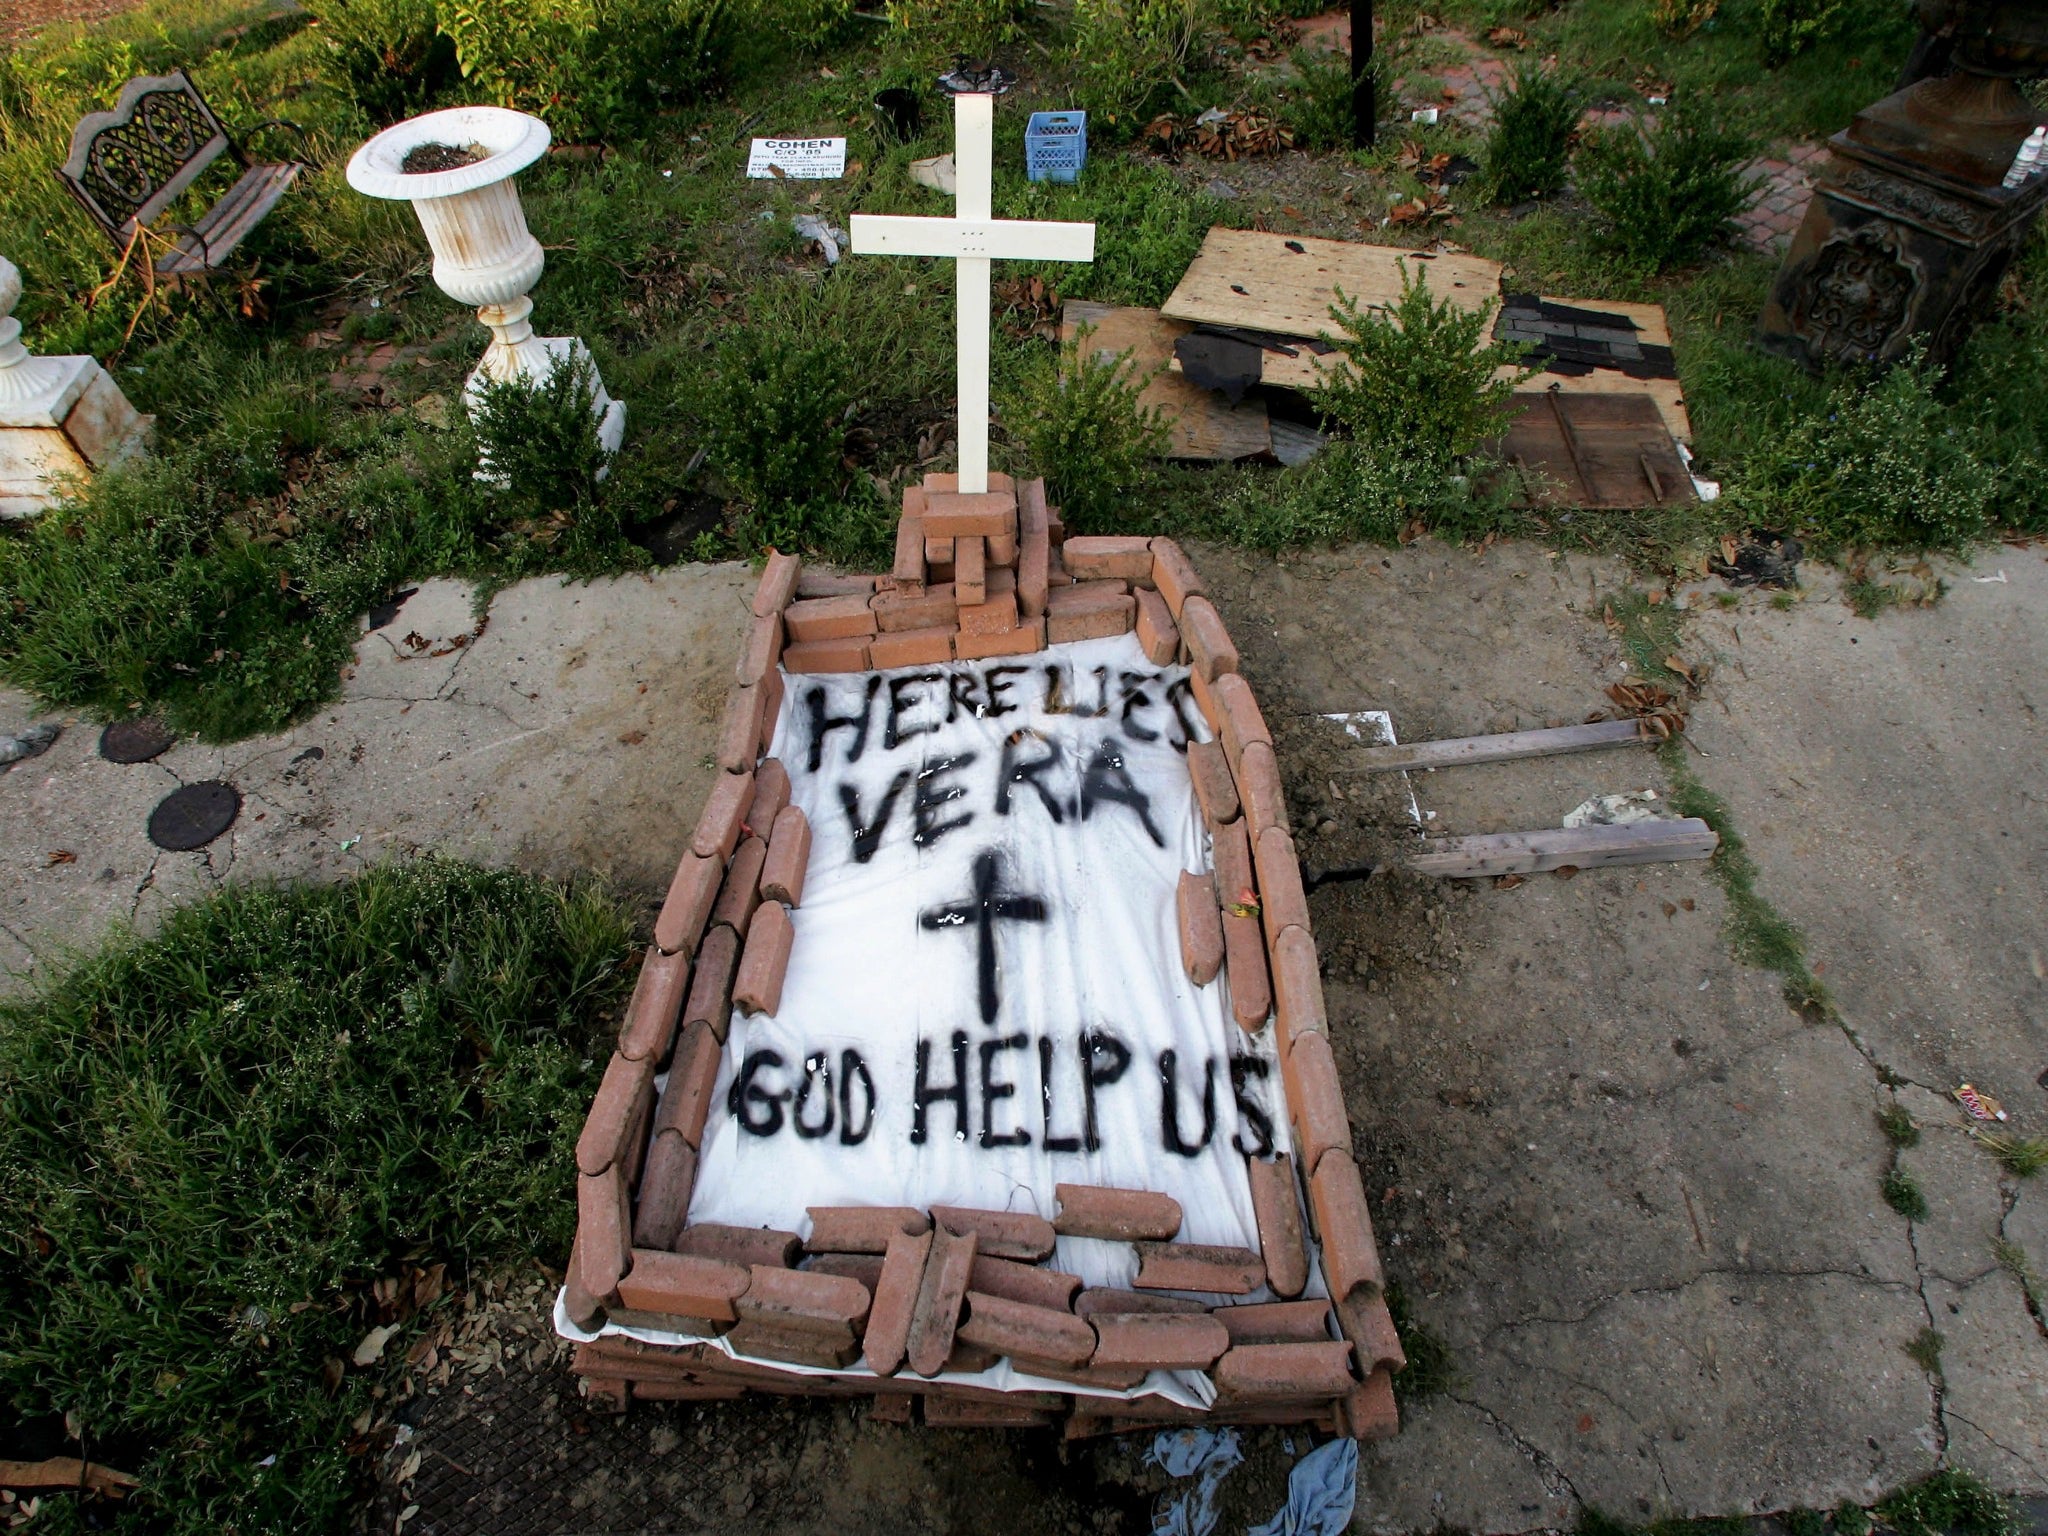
column 483, row 252
column 1856, row 298
column 60, row 417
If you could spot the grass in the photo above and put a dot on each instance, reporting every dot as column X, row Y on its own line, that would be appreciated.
column 214, row 1142
column 1924, row 1350
column 2020, row 1156
column 1897, row 1126
column 1950, row 1502
column 1903, row 1194
column 1431, row 1370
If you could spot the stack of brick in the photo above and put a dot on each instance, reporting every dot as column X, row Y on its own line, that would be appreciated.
column 977, row 575
column 914, row 1294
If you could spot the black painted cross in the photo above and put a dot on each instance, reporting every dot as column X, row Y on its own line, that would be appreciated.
column 987, row 904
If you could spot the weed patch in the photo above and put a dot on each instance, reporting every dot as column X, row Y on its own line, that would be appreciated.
column 1430, row 1370
column 1898, row 1126
column 1924, row 1350
column 2020, row 1156
column 1949, row 1503
column 1903, row 1194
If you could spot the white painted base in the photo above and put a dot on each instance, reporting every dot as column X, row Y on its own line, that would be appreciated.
column 536, row 358
column 83, row 425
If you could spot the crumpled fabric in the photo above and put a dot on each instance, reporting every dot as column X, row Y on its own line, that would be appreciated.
column 1321, row 1492
column 1205, row 1454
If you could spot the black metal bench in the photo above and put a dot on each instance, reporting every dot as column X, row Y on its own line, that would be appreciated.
column 128, row 165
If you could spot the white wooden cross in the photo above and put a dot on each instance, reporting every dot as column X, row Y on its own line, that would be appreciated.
column 971, row 238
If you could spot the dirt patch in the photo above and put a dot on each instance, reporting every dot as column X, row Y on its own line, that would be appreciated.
column 22, row 19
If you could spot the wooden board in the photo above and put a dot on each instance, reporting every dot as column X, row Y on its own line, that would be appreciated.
column 1502, row 748
column 1261, row 282
column 1597, row 451
column 1528, row 853
column 1202, row 424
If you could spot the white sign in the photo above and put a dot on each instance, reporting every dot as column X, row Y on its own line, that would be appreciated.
column 801, row 159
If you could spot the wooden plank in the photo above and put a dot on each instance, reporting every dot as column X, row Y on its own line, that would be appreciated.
column 1505, row 747
column 1200, row 423
column 1596, row 451
column 1286, row 284
column 1526, row 853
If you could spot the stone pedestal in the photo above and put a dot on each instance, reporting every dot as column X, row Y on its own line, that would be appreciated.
column 60, row 417
column 1910, row 231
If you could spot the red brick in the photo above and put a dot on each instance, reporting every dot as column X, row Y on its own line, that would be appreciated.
column 1174, row 574
column 804, row 1298
column 718, row 825
column 999, row 1234
column 1158, row 636
column 771, row 712
column 940, row 1295
column 1230, row 850
column 585, row 1310
column 1276, row 1207
column 1198, row 1267
column 605, row 1130
column 995, row 617
column 954, row 1413
column 761, row 650
column 710, row 1001
column 1088, row 597
column 1158, row 1341
column 829, row 618
column 683, row 1392
column 1002, row 551
column 789, row 855
column 908, row 569
column 1252, row 1372
column 1024, row 1282
column 864, row 1267
column 758, row 986
column 1034, row 549
column 692, row 1084
column 1021, row 641
column 970, row 572
column 778, row 583
column 1120, row 1215
column 665, row 1188
column 813, row 656
column 1282, row 901
column 951, row 514
column 896, row 1298
column 1215, row 789
column 604, row 1232
column 821, row 583
column 1118, row 556
column 1298, row 986
column 969, row 1359
column 740, row 893
column 650, row 1026
column 937, row 552
column 1056, row 575
column 799, row 1346
column 771, row 794
column 739, row 732
column 1259, row 791
column 1113, row 1378
column 1276, row 1322
column 861, row 1228
column 1242, row 722
column 911, row 648
column 1096, row 1300
column 1201, row 927
column 1367, row 1323
column 1315, row 1101
column 934, row 608
column 744, row 1246
column 1351, row 1260
column 1018, row 1328
column 1244, row 961
column 682, row 1286
column 1206, row 701
column 638, row 1132
column 1211, row 651
column 1369, row 1411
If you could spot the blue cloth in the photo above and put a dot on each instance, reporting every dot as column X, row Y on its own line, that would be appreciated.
column 1321, row 1491
column 1205, row 1454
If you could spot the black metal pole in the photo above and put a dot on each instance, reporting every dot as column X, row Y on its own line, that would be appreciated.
column 1364, row 109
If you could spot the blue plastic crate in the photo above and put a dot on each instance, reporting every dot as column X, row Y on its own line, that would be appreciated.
column 1055, row 146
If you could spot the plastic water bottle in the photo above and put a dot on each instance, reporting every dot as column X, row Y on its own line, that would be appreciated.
column 2027, row 163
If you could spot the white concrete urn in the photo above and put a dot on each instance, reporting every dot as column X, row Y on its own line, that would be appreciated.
column 483, row 253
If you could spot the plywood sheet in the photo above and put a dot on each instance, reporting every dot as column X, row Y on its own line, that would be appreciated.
column 1287, row 283
column 1203, row 425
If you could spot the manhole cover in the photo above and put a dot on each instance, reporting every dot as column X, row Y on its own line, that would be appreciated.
column 194, row 816
column 134, row 741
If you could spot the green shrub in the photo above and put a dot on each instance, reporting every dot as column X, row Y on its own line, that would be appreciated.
column 1887, row 465
column 1789, row 27
column 1349, row 492
column 538, row 444
column 1419, row 382
column 1080, row 420
column 1531, row 139
column 1318, row 103
column 775, row 409
column 1665, row 198
column 1682, row 18
column 1128, row 54
column 393, row 52
column 214, row 1141
column 940, row 29
column 591, row 68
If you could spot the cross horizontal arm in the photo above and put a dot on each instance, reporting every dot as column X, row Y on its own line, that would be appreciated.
column 882, row 234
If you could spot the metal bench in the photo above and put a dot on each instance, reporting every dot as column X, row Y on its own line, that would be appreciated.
column 128, row 165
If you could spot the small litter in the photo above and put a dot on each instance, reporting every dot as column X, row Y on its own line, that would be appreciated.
column 1979, row 1106
column 193, row 816
column 136, row 740
column 821, row 234
column 32, row 742
column 1206, row 1454
column 1617, row 810
column 936, row 173
column 1055, row 146
column 1321, row 1492
column 1426, row 116
column 2000, row 578
column 1767, row 560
